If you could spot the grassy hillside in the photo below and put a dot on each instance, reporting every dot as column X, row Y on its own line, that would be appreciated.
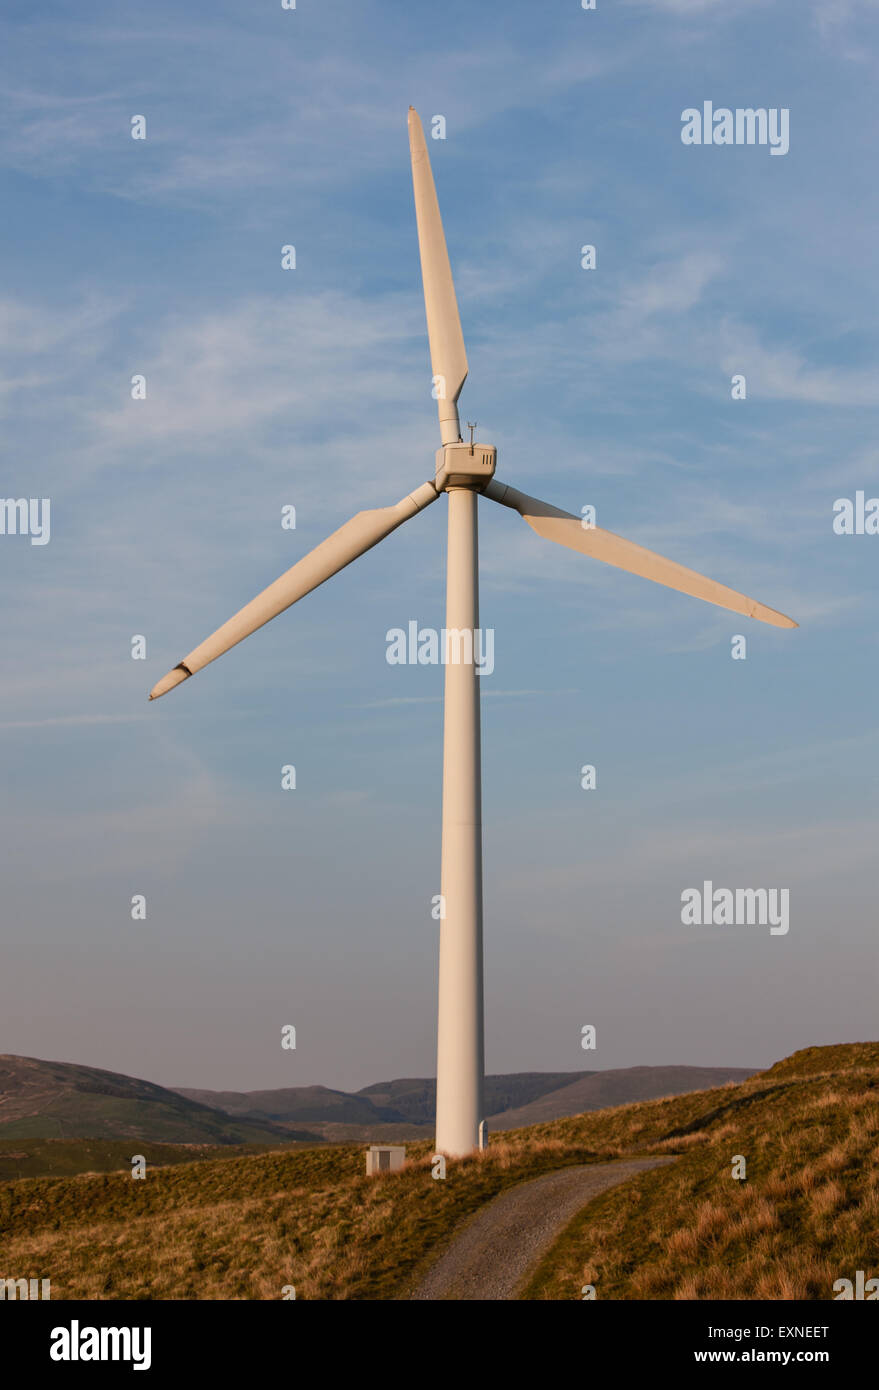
column 60, row 1100
column 806, row 1215
column 56, row 1158
column 244, row 1227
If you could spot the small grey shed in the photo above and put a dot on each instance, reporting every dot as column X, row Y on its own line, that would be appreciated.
column 385, row 1158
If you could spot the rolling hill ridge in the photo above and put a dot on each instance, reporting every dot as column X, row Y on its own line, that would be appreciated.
column 61, row 1100
column 64, row 1101
column 244, row 1227
column 406, row 1106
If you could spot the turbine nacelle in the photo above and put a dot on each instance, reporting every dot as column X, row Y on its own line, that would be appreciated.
column 465, row 465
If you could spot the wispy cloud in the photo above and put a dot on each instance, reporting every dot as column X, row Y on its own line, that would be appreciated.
column 783, row 373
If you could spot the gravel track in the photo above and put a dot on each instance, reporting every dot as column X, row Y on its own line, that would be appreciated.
column 501, row 1245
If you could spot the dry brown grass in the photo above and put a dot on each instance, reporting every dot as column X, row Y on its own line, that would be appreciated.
column 244, row 1227
column 229, row 1230
column 807, row 1213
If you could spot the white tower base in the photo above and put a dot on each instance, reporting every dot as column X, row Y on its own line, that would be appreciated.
column 460, row 1048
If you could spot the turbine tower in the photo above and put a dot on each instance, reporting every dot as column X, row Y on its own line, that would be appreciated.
column 464, row 471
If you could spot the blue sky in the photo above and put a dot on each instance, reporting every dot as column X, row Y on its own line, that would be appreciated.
column 311, row 387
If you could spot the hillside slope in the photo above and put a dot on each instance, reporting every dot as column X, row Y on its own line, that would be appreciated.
column 512, row 1101
column 62, row 1100
column 415, row 1099
column 807, row 1215
column 620, row 1086
column 409, row 1101
column 294, row 1103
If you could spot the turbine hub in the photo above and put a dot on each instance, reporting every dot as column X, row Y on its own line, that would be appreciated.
column 465, row 465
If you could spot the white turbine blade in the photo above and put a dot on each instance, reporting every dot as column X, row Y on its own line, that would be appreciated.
column 358, row 535
column 566, row 529
column 447, row 355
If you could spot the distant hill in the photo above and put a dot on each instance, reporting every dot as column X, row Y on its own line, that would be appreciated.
column 60, row 1100
column 599, row 1090
column 402, row 1109
column 405, row 1107
column 243, row 1227
column 415, row 1100
column 296, row 1103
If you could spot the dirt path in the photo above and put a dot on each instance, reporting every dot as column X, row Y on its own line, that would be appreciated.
column 495, row 1252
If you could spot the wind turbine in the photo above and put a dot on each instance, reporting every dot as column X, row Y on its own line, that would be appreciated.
column 464, row 471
